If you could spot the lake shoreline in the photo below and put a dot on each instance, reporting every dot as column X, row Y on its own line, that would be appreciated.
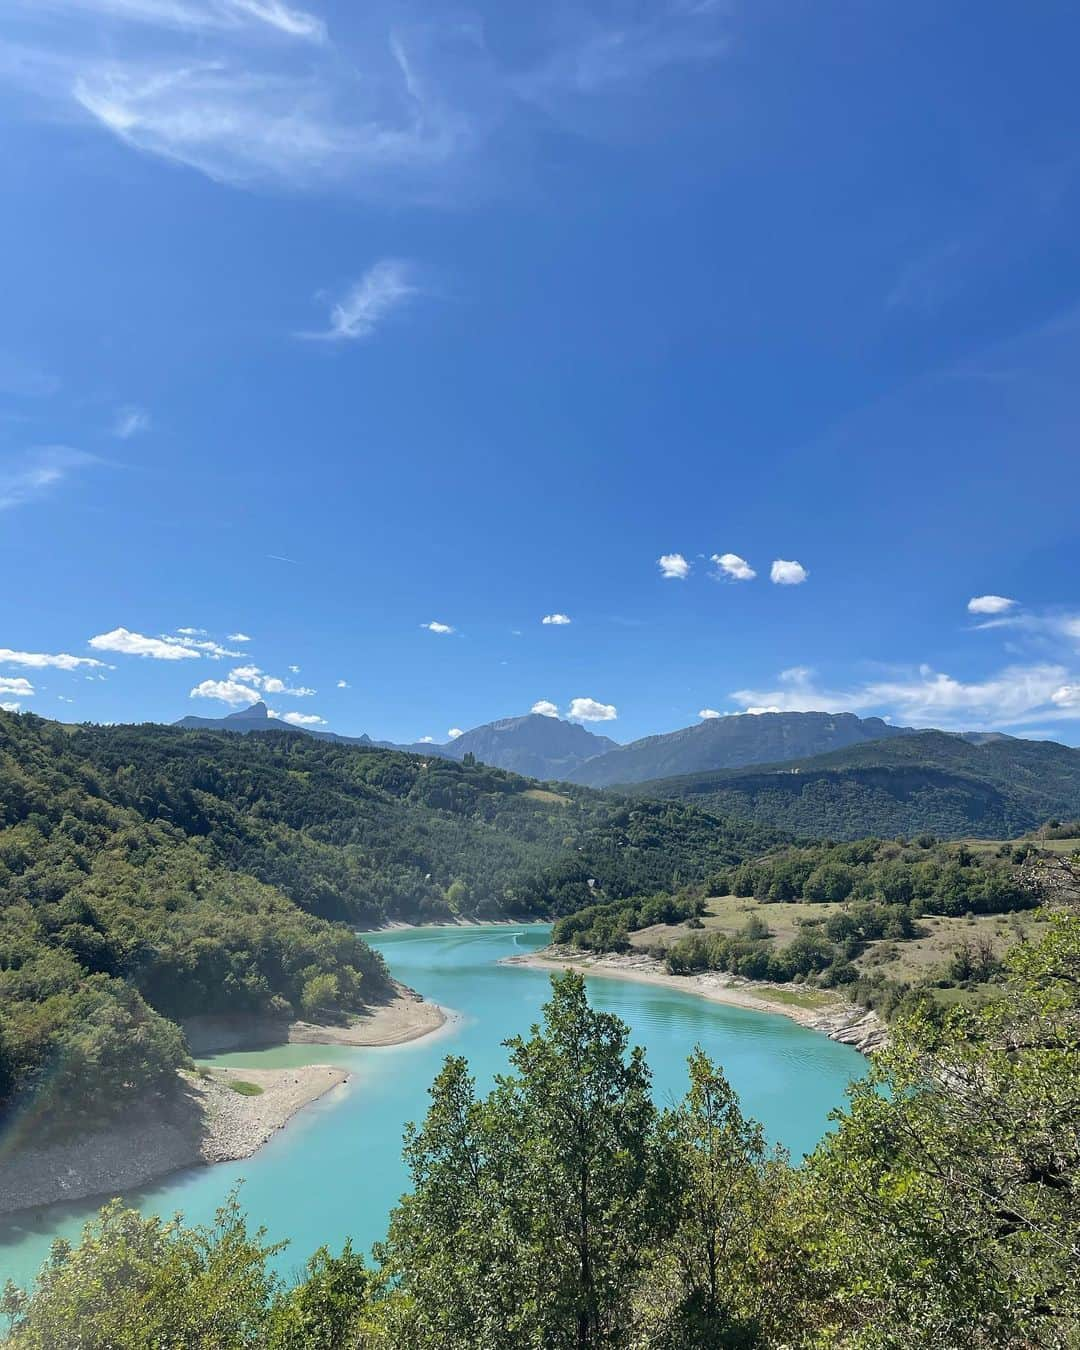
column 206, row 1121
column 841, row 1021
column 405, row 1016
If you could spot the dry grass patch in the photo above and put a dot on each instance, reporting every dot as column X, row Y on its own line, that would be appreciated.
column 926, row 956
column 729, row 914
column 543, row 795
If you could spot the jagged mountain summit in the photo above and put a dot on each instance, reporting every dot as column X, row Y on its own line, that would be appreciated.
column 534, row 746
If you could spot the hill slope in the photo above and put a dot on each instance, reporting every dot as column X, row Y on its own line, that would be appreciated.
column 257, row 718
column 148, row 873
column 730, row 742
column 953, row 786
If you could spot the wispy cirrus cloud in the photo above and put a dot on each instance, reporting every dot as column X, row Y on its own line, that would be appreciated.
column 385, row 287
column 130, row 421
column 35, row 473
column 414, row 105
column 201, row 16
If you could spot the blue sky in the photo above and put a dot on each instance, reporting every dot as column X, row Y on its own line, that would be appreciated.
column 327, row 323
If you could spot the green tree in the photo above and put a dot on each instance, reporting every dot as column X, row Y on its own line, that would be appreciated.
column 708, row 1287
column 325, row 1310
column 948, row 1205
column 148, row 1284
column 533, row 1210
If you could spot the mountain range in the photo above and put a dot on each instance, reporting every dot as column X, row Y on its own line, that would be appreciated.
column 549, row 748
column 811, row 773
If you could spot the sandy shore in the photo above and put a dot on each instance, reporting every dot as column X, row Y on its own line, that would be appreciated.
column 840, row 1021
column 406, row 1016
column 208, row 1122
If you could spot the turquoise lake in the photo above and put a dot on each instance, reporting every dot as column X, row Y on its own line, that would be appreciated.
column 336, row 1170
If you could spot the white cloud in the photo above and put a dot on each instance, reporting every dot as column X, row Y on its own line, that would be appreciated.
column 295, row 670
column 588, row 710
column 1010, row 697
column 293, row 22
column 557, row 619
column 756, row 712
column 738, row 569
column 130, row 421
column 545, row 708
column 125, row 642
column 787, row 573
column 29, row 476
column 426, row 740
column 343, row 684
column 10, row 706
column 236, row 695
column 385, row 287
column 269, row 684
column 673, row 567
column 16, row 685
column 454, row 733
column 406, row 103
column 235, row 637
column 214, row 650
column 273, row 685
column 989, row 604
column 40, row 660
column 709, row 713
column 299, row 719
column 1068, row 696
column 192, row 632
column 198, row 16
column 436, row 627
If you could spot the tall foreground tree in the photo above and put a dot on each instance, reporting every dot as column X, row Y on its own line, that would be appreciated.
column 533, row 1210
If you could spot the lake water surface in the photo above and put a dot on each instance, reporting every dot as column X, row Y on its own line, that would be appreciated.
column 336, row 1171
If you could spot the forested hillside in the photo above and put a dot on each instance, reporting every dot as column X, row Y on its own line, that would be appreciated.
column 925, row 781
column 149, row 873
